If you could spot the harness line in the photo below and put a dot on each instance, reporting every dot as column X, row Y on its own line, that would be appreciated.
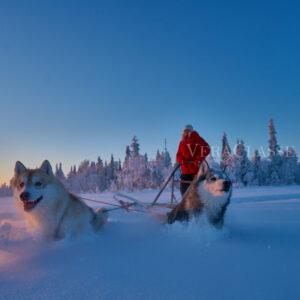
column 116, row 206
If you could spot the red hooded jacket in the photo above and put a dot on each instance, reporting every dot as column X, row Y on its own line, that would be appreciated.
column 192, row 149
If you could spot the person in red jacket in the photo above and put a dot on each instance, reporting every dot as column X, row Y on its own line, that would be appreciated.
column 191, row 151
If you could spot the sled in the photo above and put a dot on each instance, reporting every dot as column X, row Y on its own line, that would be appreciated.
column 128, row 202
column 168, row 213
column 131, row 204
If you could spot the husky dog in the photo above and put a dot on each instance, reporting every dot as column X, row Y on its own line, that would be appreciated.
column 48, row 207
column 209, row 194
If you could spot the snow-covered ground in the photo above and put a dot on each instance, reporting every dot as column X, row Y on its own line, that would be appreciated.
column 256, row 256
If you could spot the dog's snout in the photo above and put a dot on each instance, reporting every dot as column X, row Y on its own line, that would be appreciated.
column 25, row 196
column 226, row 185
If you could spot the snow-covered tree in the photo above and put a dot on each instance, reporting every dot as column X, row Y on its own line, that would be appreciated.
column 258, row 170
column 288, row 172
column 273, row 144
column 72, row 181
column 101, row 177
column 240, row 167
column 127, row 153
column 135, row 147
column 226, row 156
column 274, row 156
column 111, row 168
column 91, row 178
column 135, row 172
column 59, row 173
column 166, row 157
column 157, row 170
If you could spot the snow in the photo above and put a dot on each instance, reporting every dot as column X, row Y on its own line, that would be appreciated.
column 256, row 255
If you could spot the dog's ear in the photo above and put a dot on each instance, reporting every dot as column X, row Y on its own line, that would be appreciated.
column 19, row 168
column 203, row 170
column 46, row 167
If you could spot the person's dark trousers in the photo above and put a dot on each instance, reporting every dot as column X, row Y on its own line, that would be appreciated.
column 185, row 185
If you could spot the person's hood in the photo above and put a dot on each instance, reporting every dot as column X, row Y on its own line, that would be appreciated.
column 194, row 137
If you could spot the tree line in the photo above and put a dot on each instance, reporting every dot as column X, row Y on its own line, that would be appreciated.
column 279, row 167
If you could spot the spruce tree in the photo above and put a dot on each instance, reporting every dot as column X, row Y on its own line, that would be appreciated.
column 101, row 180
column 242, row 164
column 59, row 173
column 274, row 177
column 258, row 176
column 127, row 154
column 225, row 153
column 289, row 166
column 111, row 168
column 167, row 159
column 273, row 145
column 99, row 164
column 135, row 147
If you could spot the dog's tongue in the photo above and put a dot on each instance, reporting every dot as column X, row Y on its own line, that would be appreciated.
column 29, row 205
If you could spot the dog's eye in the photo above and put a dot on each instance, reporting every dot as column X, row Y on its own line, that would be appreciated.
column 38, row 183
column 22, row 184
column 213, row 178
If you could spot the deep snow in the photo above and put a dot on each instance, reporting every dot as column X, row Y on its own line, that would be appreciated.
column 256, row 255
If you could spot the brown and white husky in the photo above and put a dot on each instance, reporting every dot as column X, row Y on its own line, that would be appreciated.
column 48, row 207
column 208, row 194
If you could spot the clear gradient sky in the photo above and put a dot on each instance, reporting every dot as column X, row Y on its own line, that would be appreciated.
column 79, row 78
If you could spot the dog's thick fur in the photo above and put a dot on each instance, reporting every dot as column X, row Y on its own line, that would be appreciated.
column 209, row 194
column 48, row 207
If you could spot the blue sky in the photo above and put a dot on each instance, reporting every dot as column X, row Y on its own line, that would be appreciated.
column 79, row 78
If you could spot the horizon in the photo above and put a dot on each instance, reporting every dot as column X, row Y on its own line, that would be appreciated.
column 79, row 80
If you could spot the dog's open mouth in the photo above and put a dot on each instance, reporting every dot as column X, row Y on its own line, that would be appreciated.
column 29, row 205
